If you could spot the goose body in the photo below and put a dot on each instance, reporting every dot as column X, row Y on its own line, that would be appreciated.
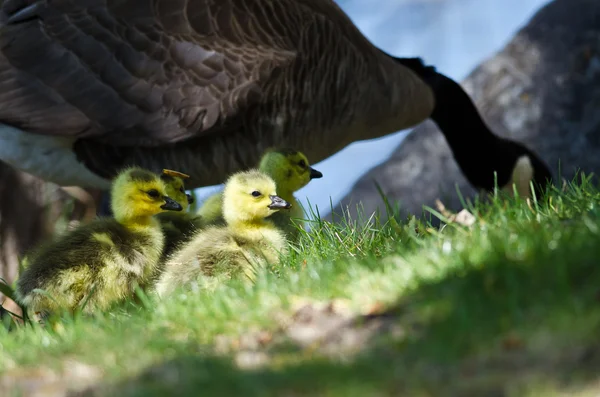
column 88, row 87
column 102, row 261
column 247, row 240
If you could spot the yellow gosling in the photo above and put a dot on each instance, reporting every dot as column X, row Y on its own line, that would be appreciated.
column 103, row 261
column 291, row 171
column 247, row 241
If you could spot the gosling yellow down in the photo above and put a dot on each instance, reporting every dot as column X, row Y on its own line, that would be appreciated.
column 249, row 239
column 291, row 171
column 104, row 260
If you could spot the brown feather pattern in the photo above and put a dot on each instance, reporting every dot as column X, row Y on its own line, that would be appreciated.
column 201, row 86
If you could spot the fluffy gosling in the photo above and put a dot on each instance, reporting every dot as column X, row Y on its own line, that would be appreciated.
column 249, row 239
column 291, row 171
column 102, row 261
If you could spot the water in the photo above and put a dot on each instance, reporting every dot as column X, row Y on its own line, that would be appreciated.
column 453, row 35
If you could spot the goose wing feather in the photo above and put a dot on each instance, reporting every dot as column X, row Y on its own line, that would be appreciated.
column 141, row 72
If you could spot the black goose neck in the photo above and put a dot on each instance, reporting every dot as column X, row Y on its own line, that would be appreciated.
column 476, row 149
column 454, row 113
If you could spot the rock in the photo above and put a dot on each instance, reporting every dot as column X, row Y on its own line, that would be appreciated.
column 542, row 89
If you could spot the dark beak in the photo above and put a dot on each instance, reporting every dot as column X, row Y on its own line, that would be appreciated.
column 314, row 174
column 190, row 198
column 171, row 204
column 278, row 203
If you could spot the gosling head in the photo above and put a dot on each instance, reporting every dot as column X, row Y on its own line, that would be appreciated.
column 174, row 182
column 289, row 168
column 249, row 197
column 139, row 193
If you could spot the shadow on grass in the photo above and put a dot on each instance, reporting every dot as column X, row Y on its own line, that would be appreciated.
column 380, row 371
column 517, row 321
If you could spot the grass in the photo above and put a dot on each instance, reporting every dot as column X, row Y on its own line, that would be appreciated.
column 509, row 306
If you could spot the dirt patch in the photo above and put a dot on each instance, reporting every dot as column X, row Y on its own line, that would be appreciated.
column 44, row 382
column 329, row 328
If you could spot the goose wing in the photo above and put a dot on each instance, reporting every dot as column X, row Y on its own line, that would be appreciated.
column 141, row 72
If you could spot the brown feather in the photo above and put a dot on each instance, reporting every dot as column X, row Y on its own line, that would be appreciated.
column 197, row 85
column 151, row 82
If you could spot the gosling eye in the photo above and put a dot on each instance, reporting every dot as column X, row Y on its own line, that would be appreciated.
column 256, row 193
column 182, row 190
column 302, row 163
column 153, row 193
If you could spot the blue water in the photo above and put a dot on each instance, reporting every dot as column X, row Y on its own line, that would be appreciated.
column 453, row 35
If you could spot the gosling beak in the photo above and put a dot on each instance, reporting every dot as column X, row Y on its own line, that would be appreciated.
column 314, row 174
column 190, row 198
column 171, row 204
column 278, row 203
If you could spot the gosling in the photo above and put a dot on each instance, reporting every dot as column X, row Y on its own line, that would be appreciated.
column 247, row 241
column 178, row 227
column 103, row 261
column 291, row 171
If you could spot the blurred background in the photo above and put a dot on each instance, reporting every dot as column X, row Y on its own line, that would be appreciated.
column 453, row 35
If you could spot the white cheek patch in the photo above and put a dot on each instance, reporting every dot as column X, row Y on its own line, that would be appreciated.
column 521, row 177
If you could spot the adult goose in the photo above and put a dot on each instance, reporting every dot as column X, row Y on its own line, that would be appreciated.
column 202, row 86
